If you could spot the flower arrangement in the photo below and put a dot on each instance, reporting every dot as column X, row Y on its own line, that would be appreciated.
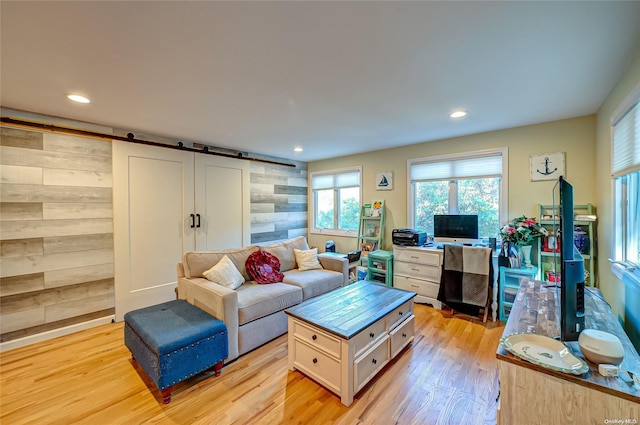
column 522, row 231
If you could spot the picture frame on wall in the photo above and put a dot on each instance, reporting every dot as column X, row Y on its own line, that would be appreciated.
column 384, row 180
column 547, row 166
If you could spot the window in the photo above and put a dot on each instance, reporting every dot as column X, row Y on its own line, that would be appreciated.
column 468, row 183
column 625, row 173
column 335, row 201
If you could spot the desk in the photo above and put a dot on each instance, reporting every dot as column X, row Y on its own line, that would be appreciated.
column 418, row 269
column 532, row 394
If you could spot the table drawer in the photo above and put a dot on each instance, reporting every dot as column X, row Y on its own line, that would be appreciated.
column 421, row 287
column 420, row 271
column 370, row 363
column 318, row 365
column 402, row 335
column 399, row 314
column 317, row 339
column 417, row 256
column 369, row 336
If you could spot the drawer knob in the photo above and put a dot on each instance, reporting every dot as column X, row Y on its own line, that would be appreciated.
column 314, row 337
column 404, row 335
column 315, row 360
column 400, row 313
column 371, row 334
column 374, row 361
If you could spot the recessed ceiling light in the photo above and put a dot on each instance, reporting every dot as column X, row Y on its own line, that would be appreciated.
column 458, row 114
column 298, row 149
column 78, row 98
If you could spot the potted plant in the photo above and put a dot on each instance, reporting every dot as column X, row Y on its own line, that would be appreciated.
column 520, row 233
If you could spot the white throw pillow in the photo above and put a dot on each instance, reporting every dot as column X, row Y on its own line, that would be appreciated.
column 307, row 259
column 225, row 273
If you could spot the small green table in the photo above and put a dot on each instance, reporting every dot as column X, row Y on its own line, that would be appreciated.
column 380, row 267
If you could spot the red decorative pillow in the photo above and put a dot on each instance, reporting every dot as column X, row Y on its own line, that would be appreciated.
column 264, row 267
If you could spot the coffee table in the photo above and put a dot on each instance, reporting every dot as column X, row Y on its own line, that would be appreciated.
column 342, row 339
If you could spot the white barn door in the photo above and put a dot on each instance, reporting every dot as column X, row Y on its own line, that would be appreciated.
column 222, row 203
column 153, row 203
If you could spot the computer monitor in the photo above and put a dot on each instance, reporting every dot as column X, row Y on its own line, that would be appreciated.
column 455, row 228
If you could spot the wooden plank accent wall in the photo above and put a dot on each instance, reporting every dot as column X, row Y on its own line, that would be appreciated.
column 56, row 231
column 278, row 202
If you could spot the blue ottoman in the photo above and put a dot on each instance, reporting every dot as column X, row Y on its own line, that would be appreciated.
column 174, row 341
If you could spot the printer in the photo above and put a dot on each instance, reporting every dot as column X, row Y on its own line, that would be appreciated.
column 408, row 237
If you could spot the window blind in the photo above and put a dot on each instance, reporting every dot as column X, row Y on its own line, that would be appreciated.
column 625, row 152
column 350, row 178
column 480, row 166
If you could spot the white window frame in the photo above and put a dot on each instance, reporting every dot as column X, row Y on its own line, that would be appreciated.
column 628, row 272
column 504, row 181
column 312, row 202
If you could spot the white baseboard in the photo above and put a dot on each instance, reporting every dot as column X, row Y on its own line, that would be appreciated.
column 54, row 333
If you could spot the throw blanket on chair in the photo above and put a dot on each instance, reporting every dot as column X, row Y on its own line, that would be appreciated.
column 466, row 275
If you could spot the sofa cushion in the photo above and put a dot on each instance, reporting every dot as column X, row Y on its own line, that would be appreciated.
column 264, row 267
column 307, row 259
column 225, row 273
column 196, row 263
column 284, row 251
column 256, row 301
column 314, row 282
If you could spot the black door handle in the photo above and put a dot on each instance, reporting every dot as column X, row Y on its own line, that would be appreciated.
column 198, row 215
column 193, row 220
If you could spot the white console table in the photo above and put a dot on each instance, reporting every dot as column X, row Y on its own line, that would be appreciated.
column 532, row 394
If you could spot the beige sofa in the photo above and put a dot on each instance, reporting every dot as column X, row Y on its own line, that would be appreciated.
column 254, row 313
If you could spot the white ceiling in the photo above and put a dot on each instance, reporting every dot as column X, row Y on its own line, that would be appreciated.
column 335, row 78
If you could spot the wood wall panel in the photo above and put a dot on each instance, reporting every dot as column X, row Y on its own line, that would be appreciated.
column 76, row 145
column 56, row 231
column 21, row 175
column 21, row 247
column 21, row 320
column 20, row 138
column 42, row 193
column 75, row 210
column 13, row 266
column 71, row 276
column 50, row 228
column 54, row 296
column 22, row 283
column 57, row 177
column 78, row 243
column 10, row 155
column 278, row 193
column 81, row 307
column 20, row 211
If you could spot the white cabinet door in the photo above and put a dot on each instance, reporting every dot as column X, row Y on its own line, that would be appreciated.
column 153, row 202
column 222, row 203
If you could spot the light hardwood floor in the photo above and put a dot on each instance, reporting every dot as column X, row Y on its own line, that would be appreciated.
column 447, row 376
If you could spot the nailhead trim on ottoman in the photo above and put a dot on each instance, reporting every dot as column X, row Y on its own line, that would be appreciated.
column 174, row 341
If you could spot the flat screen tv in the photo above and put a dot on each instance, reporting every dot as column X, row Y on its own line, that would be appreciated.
column 571, row 288
column 455, row 228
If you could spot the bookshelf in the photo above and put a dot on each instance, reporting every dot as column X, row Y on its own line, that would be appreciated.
column 547, row 255
column 371, row 229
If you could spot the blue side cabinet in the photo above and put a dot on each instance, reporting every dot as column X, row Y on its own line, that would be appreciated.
column 509, row 285
column 380, row 267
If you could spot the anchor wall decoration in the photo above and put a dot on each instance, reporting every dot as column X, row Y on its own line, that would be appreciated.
column 548, row 166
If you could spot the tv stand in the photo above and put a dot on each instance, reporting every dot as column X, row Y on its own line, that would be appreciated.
column 586, row 399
